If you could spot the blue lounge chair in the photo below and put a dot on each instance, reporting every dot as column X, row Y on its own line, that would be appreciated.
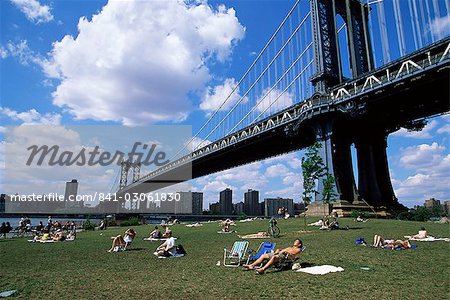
column 235, row 255
column 265, row 247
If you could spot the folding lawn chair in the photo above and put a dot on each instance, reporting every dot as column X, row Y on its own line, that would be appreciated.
column 236, row 254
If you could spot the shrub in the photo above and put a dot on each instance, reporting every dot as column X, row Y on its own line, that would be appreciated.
column 242, row 216
column 356, row 213
column 130, row 222
column 88, row 225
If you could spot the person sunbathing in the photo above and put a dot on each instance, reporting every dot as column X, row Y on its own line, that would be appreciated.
column 167, row 248
column 194, row 225
column 167, row 232
column 120, row 240
column 279, row 256
column 421, row 235
column 58, row 236
column 398, row 244
column 379, row 241
column 259, row 235
column 155, row 234
column 318, row 223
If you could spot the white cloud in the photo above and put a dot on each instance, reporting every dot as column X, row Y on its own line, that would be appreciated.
column 277, row 170
column 215, row 96
column 441, row 26
column 3, row 52
column 430, row 176
column 31, row 116
column 275, row 100
column 417, row 188
column 136, row 61
column 444, row 129
column 425, row 133
column 34, row 11
column 22, row 51
column 422, row 156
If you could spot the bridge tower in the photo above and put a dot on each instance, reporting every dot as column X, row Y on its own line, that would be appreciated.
column 336, row 132
column 327, row 60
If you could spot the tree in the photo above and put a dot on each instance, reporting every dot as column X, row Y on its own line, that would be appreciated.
column 328, row 192
column 313, row 168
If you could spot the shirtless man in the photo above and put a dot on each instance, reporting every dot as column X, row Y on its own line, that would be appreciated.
column 288, row 253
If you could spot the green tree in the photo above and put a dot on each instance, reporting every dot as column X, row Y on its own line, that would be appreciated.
column 313, row 168
column 328, row 192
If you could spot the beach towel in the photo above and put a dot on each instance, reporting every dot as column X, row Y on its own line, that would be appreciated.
column 156, row 240
column 7, row 293
column 253, row 237
column 428, row 239
column 226, row 232
column 175, row 255
column 320, row 270
column 194, row 225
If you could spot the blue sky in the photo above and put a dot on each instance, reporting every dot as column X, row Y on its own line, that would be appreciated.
column 153, row 62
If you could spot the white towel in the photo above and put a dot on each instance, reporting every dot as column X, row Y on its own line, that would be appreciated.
column 157, row 240
column 320, row 270
column 428, row 239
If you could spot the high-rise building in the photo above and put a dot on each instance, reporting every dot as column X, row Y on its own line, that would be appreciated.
column 214, row 208
column 226, row 202
column 238, row 208
column 251, row 203
column 197, row 203
column 271, row 206
column 190, row 203
column 2, row 202
column 71, row 194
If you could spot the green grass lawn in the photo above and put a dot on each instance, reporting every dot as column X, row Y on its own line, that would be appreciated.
column 84, row 270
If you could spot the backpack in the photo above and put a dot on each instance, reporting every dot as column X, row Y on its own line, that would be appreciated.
column 360, row 241
column 180, row 249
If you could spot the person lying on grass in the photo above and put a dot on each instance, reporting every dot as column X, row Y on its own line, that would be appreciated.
column 379, row 241
column 259, row 235
column 167, row 248
column 277, row 257
column 119, row 240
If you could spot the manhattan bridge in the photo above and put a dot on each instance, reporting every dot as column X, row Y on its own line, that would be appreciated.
column 338, row 72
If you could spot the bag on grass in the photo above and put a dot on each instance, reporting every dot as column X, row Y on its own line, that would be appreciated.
column 360, row 241
column 180, row 249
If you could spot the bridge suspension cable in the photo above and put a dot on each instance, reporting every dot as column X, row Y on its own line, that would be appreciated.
column 241, row 80
column 261, row 75
column 413, row 25
column 256, row 88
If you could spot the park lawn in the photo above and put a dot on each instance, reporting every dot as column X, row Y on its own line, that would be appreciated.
column 84, row 270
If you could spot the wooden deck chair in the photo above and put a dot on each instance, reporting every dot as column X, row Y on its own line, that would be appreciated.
column 235, row 255
column 265, row 247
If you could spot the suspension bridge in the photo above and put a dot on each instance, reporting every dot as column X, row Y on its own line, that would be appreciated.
column 340, row 72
